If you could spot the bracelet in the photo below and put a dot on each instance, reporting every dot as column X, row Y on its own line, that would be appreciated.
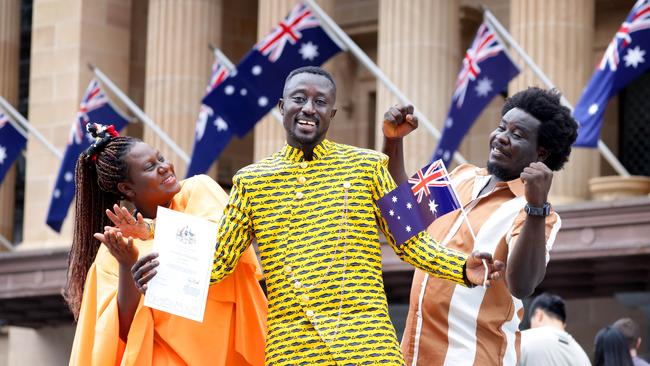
column 150, row 228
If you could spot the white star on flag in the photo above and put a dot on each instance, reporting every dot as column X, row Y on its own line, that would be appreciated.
column 483, row 87
column 220, row 124
column 394, row 199
column 68, row 176
column 433, row 206
column 409, row 206
column 408, row 229
column 634, row 57
column 309, row 51
column 3, row 154
column 449, row 123
column 391, row 212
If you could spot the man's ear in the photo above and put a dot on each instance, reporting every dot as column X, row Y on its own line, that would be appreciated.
column 126, row 190
column 542, row 154
column 333, row 112
column 281, row 106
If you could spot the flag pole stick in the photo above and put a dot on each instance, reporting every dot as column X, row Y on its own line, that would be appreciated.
column 375, row 70
column 139, row 113
column 223, row 59
column 602, row 147
column 469, row 226
column 28, row 126
column 6, row 243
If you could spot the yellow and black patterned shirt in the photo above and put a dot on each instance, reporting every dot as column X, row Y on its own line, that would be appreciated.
column 315, row 223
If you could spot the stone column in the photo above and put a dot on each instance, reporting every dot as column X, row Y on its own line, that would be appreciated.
column 66, row 35
column 418, row 46
column 9, row 70
column 559, row 35
column 178, row 65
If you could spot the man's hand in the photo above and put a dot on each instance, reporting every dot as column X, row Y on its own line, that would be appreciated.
column 399, row 121
column 537, row 178
column 127, row 224
column 143, row 271
column 122, row 249
column 475, row 270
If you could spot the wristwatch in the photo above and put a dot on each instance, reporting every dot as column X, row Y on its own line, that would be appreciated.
column 538, row 211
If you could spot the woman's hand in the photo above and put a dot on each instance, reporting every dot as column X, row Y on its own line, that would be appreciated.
column 143, row 271
column 129, row 225
column 122, row 249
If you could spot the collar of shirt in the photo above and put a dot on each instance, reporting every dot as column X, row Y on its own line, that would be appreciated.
column 516, row 185
column 295, row 154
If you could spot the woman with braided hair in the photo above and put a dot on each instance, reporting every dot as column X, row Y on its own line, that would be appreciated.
column 113, row 325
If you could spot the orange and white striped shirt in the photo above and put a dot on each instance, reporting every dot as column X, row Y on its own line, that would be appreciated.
column 449, row 324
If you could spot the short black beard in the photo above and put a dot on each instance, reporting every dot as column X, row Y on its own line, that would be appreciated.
column 499, row 172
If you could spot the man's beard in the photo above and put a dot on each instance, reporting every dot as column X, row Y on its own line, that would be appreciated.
column 499, row 172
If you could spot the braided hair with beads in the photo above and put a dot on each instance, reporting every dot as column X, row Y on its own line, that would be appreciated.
column 99, row 170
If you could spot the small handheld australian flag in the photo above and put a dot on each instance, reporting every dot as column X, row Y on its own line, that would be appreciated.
column 411, row 207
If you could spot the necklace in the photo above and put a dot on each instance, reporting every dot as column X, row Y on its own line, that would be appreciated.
column 310, row 288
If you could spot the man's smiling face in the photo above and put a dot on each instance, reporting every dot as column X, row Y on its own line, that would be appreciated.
column 307, row 107
column 513, row 144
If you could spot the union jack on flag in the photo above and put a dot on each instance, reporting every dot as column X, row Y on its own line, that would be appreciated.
column 300, row 18
column 485, row 45
column 219, row 73
column 432, row 175
column 93, row 98
column 639, row 19
column 625, row 59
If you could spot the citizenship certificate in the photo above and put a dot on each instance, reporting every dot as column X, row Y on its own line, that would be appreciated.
column 185, row 245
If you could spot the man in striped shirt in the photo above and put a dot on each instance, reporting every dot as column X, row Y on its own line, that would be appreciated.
column 509, row 213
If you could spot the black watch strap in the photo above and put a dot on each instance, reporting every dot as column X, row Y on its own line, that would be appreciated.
column 538, row 211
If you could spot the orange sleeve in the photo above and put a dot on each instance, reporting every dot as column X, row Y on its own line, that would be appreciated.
column 96, row 340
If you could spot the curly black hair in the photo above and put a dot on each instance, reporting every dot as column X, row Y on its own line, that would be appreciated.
column 558, row 130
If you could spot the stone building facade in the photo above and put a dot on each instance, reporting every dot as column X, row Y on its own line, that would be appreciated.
column 157, row 52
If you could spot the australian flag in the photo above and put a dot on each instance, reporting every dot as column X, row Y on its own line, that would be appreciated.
column 12, row 142
column 486, row 71
column 631, row 44
column 212, row 132
column 95, row 107
column 414, row 205
column 244, row 98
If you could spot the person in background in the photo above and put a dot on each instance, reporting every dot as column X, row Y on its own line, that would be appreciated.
column 611, row 348
column 630, row 331
column 547, row 342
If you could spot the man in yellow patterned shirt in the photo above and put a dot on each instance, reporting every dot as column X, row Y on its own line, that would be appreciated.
column 311, row 207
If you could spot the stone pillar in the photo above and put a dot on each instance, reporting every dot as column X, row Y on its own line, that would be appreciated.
column 9, row 71
column 178, row 64
column 418, row 46
column 559, row 35
column 66, row 35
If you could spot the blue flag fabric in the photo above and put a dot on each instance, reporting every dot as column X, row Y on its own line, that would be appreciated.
column 486, row 71
column 212, row 132
column 12, row 143
column 244, row 98
column 414, row 205
column 95, row 107
column 631, row 43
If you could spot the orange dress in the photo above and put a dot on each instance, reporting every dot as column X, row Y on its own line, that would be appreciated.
column 234, row 324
